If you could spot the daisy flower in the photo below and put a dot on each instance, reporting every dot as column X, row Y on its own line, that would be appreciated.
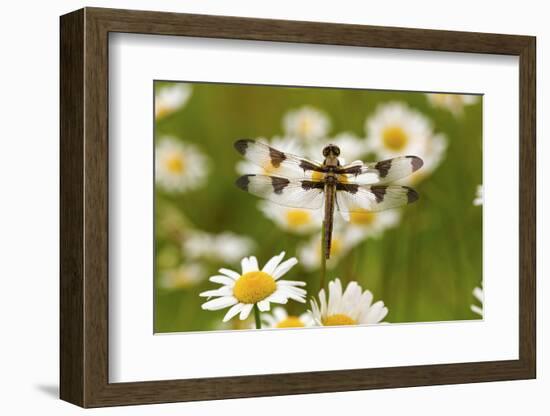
column 396, row 130
column 293, row 220
column 478, row 294
column 284, row 144
column 454, row 103
column 310, row 252
column 306, row 123
column 181, row 277
column 171, row 98
column 352, row 307
column 367, row 224
column 227, row 246
column 240, row 292
column 179, row 166
column 479, row 196
column 279, row 318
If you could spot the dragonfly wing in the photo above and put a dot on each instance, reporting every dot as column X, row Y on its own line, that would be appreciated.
column 274, row 162
column 359, row 198
column 298, row 193
column 383, row 172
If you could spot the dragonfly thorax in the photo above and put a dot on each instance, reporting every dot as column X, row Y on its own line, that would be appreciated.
column 331, row 153
column 331, row 150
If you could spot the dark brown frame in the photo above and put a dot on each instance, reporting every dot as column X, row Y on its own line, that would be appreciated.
column 84, row 207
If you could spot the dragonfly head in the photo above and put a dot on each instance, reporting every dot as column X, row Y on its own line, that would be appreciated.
column 331, row 150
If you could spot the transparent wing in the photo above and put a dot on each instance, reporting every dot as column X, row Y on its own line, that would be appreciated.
column 360, row 198
column 383, row 172
column 298, row 193
column 275, row 162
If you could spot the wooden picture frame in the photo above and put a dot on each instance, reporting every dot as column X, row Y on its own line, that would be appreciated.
column 84, row 207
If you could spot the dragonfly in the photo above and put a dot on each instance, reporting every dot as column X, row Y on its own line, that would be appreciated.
column 297, row 182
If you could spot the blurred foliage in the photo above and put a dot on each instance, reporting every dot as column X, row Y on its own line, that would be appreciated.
column 424, row 269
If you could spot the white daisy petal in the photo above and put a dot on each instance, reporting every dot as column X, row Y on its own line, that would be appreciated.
column 382, row 314
column 290, row 283
column 323, row 302
column 476, row 309
column 366, row 299
column 375, row 310
column 230, row 273
column 284, row 267
column 315, row 308
column 297, row 298
column 292, row 289
column 233, row 311
column 263, row 306
column 279, row 313
column 277, row 298
column 334, row 296
column 245, row 265
column 245, row 311
column 253, row 263
column 222, row 291
column 270, row 266
column 219, row 303
column 223, row 280
column 478, row 293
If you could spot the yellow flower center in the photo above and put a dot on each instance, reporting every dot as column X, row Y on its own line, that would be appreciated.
column 335, row 247
column 175, row 164
column 395, row 138
column 297, row 217
column 304, row 127
column 253, row 287
column 338, row 319
column 362, row 217
column 290, row 322
column 161, row 110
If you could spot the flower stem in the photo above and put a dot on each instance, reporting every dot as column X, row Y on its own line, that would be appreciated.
column 257, row 317
column 323, row 258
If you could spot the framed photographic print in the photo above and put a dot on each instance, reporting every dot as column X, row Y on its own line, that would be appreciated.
column 262, row 207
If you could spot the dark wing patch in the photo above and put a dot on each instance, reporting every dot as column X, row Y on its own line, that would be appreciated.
column 352, row 188
column 279, row 184
column 277, row 157
column 242, row 145
column 383, row 172
column 243, row 181
column 416, row 162
column 412, row 195
column 275, row 162
column 283, row 191
column 379, row 192
column 373, row 198
column 383, row 167
column 306, row 165
column 354, row 169
column 307, row 185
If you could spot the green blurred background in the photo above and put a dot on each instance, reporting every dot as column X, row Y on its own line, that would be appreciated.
column 424, row 268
